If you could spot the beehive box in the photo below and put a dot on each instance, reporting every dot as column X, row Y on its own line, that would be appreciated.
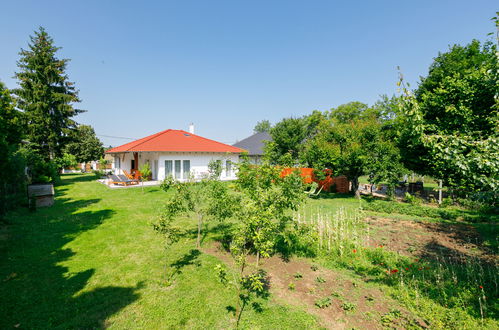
column 42, row 194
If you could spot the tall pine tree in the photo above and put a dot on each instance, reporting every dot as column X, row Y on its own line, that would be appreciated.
column 45, row 96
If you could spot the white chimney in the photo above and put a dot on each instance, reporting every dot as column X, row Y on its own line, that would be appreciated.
column 191, row 128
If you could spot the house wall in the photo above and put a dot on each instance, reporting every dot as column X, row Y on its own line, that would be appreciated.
column 198, row 160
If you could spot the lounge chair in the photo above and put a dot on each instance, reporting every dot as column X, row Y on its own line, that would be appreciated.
column 316, row 194
column 128, row 175
column 116, row 180
column 313, row 187
column 124, row 178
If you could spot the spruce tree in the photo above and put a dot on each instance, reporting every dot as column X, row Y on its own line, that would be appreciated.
column 45, row 96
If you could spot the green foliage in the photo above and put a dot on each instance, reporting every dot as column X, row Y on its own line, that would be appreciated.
column 145, row 170
column 84, row 144
column 207, row 199
column 414, row 200
column 66, row 161
column 215, row 169
column 355, row 148
column 45, row 96
column 262, row 126
column 320, row 279
column 287, row 137
column 450, row 125
column 39, row 169
column 12, row 178
column 348, row 306
column 349, row 112
column 323, row 302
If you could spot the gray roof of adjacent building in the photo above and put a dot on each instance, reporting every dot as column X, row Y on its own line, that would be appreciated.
column 254, row 144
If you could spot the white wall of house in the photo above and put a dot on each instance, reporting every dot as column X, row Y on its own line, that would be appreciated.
column 198, row 162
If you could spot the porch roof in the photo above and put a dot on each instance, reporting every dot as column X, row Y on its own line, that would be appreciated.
column 175, row 140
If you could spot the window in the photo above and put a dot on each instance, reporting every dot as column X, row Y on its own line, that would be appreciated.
column 168, row 168
column 187, row 169
column 178, row 170
column 228, row 168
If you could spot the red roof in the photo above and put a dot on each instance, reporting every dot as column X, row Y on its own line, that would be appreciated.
column 175, row 140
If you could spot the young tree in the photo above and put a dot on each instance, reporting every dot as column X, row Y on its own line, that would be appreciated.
column 262, row 126
column 45, row 96
column 207, row 199
column 263, row 213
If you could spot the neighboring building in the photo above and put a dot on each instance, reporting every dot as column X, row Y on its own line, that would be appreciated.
column 254, row 146
column 177, row 153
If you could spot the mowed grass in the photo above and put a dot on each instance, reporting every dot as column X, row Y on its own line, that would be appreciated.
column 92, row 260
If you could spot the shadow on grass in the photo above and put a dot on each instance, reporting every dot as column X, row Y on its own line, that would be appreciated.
column 36, row 291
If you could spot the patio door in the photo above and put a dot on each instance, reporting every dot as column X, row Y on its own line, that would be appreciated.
column 168, row 168
column 178, row 169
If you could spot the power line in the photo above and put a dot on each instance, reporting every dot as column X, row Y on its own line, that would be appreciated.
column 116, row 137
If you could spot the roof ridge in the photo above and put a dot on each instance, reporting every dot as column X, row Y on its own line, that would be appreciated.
column 201, row 137
column 150, row 137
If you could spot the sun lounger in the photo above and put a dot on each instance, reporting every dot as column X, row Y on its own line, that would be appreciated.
column 116, row 180
column 124, row 178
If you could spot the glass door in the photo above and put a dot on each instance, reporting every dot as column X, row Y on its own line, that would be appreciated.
column 168, row 168
column 178, row 169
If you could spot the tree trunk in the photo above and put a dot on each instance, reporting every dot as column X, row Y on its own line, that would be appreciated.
column 355, row 187
column 257, row 259
column 200, row 223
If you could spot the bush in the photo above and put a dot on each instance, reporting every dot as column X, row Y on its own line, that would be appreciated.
column 39, row 170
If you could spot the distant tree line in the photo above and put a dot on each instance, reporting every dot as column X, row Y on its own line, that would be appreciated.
column 38, row 133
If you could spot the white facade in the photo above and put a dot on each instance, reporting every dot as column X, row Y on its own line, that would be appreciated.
column 180, row 165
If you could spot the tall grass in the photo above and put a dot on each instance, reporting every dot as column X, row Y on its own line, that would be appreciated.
column 449, row 290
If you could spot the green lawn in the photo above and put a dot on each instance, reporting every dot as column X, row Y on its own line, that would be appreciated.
column 92, row 260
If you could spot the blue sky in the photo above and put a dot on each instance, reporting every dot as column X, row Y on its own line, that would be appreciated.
column 145, row 66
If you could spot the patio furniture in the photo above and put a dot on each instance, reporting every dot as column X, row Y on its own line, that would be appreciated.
column 120, row 181
column 129, row 180
column 315, row 194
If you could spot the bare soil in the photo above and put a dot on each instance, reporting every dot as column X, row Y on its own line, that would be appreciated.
column 429, row 240
column 295, row 282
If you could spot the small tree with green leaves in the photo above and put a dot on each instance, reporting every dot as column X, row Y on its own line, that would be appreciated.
column 165, row 226
column 145, row 173
column 262, row 209
column 206, row 199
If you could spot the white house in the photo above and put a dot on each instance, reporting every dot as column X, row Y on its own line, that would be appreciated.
column 177, row 153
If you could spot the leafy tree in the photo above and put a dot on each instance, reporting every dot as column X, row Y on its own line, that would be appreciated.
column 66, row 161
column 207, row 199
column 287, row 137
column 12, row 165
column 348, row 112
column 262, row 126
column 263, row 210
column 84, row 144
column 353, row 149
column 451, row 122
column 45, row 96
